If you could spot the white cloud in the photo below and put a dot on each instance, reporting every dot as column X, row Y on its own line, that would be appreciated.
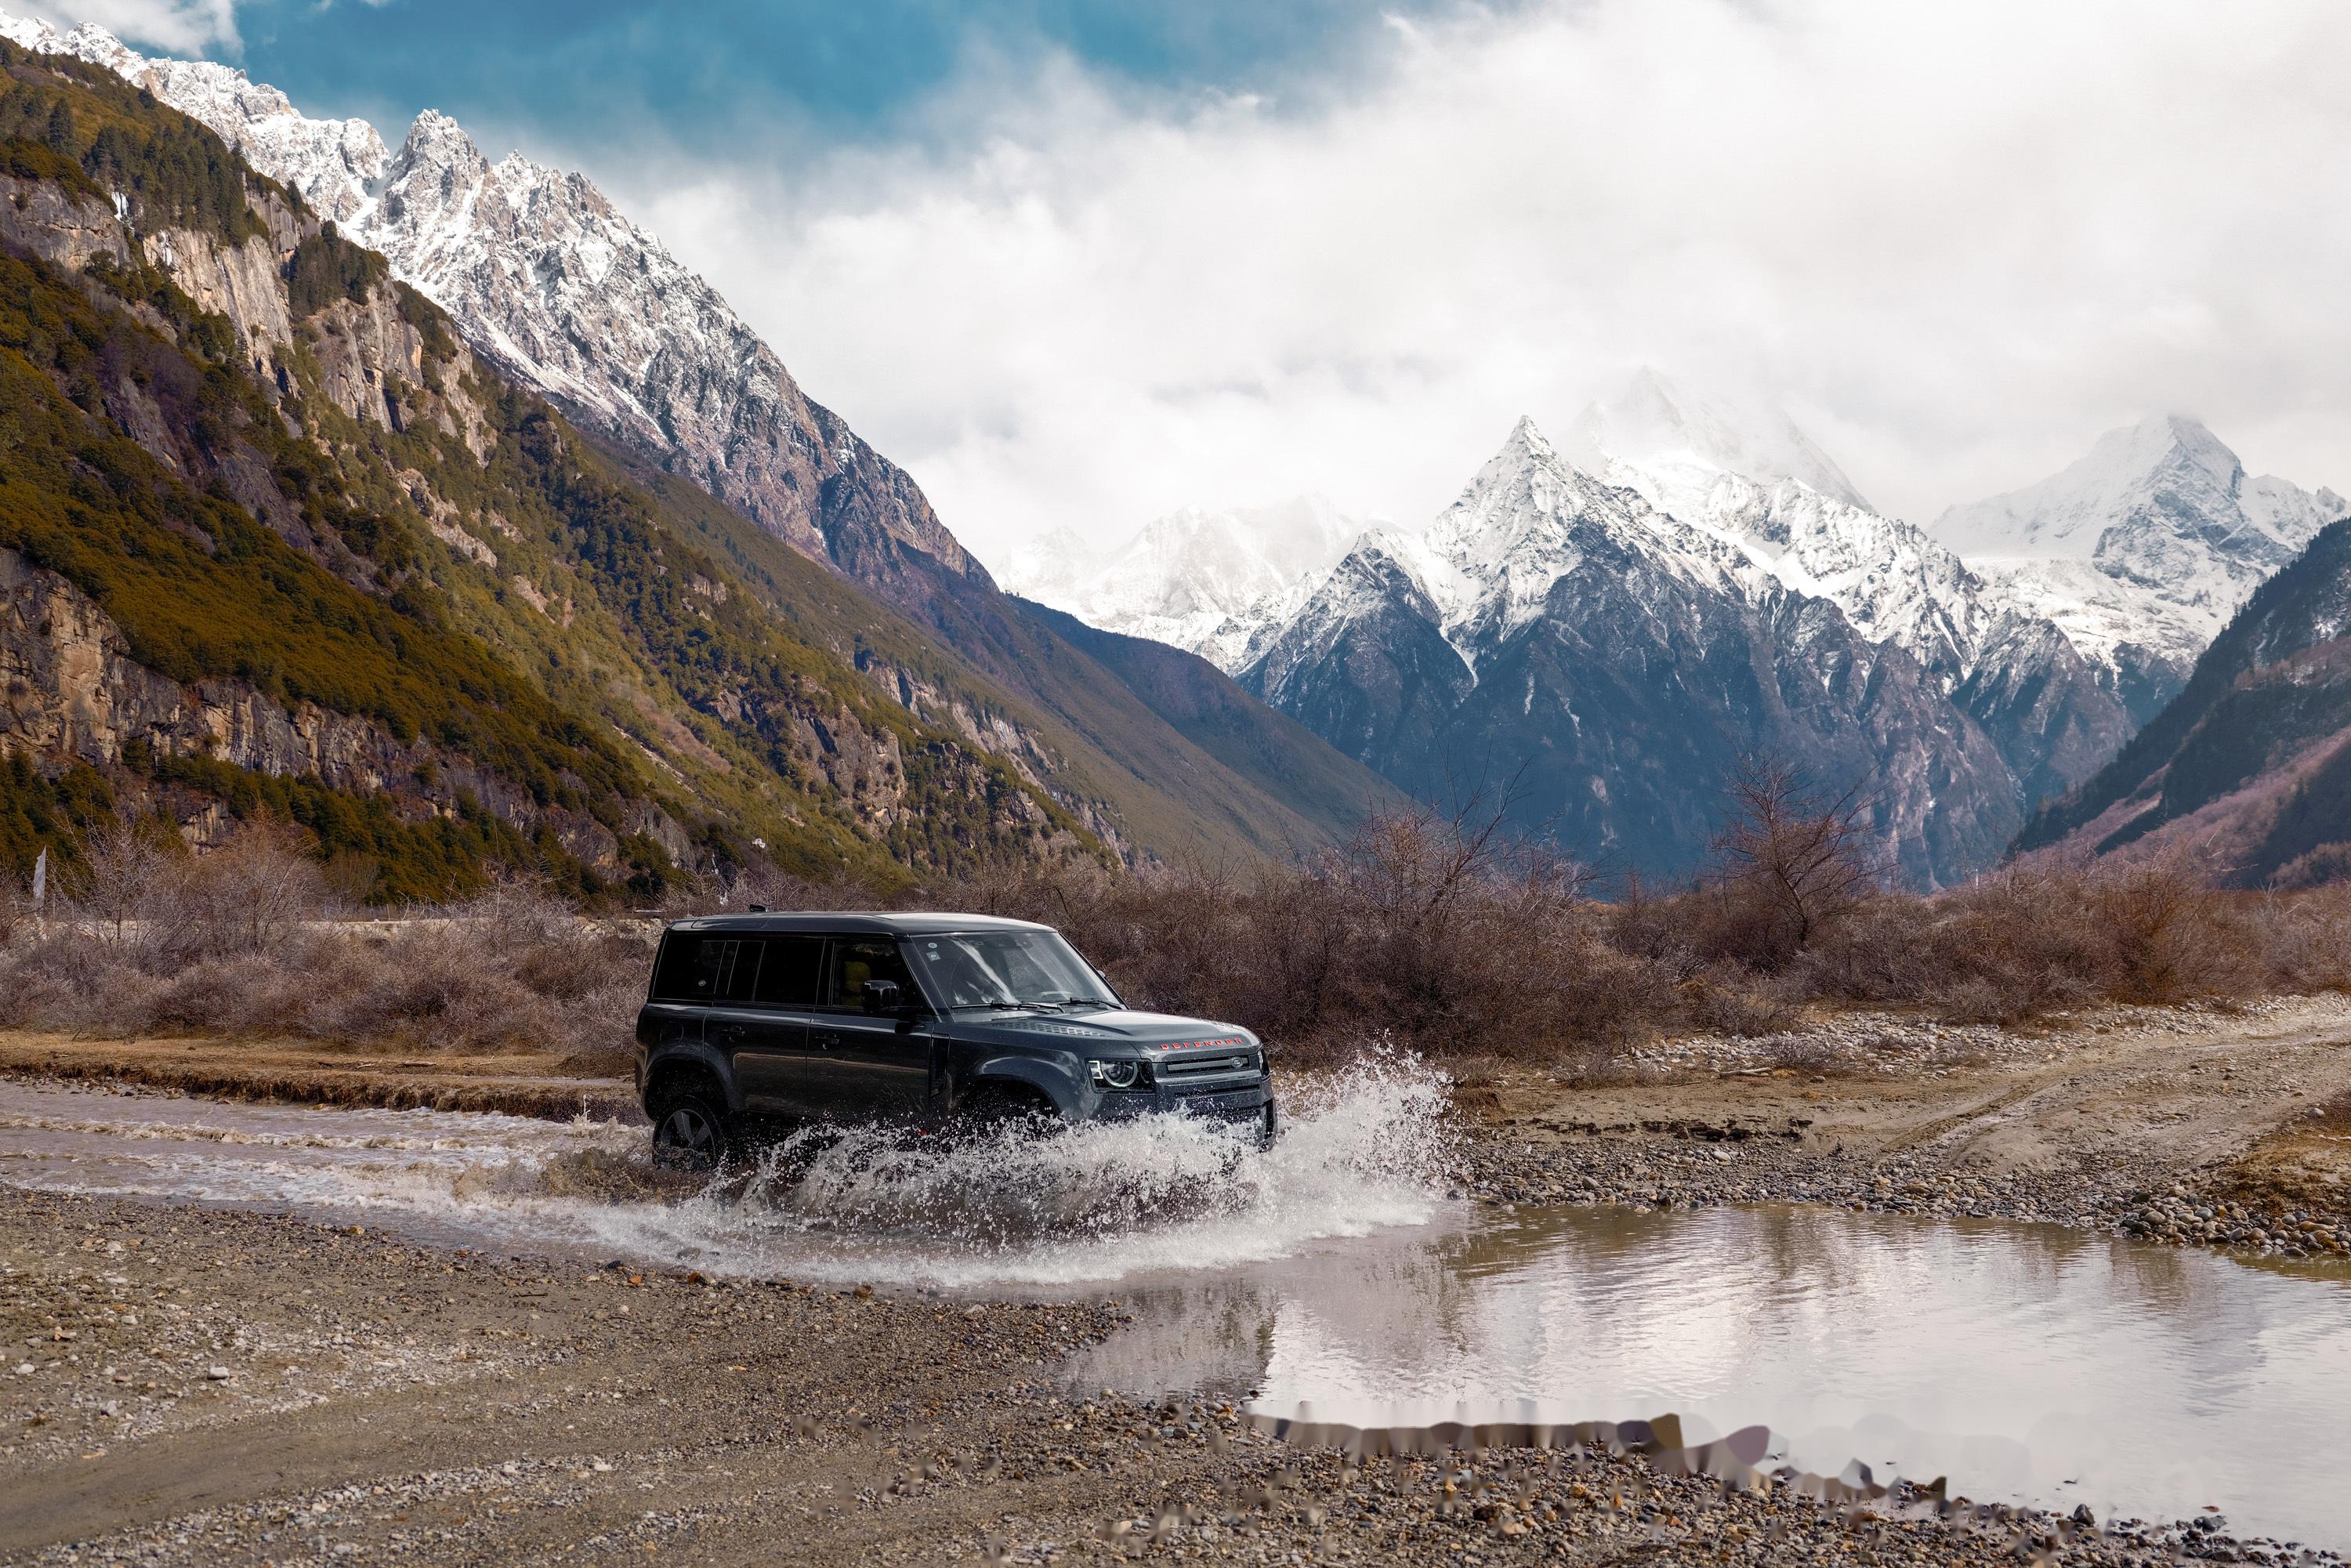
column 1958, row 243
column 172, row 27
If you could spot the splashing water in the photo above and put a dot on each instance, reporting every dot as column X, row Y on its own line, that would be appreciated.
column 1359, row 1151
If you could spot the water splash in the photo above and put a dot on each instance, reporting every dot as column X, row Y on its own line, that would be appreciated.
column 1361, row 1151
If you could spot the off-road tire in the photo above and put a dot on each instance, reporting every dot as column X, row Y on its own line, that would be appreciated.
column 691, row 1127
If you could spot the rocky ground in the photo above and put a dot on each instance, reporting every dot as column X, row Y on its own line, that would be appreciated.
column 203, row 1386
column 2179, row 1124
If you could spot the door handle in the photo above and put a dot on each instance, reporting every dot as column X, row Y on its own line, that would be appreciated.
column 730, row 1031
column 824, row 1040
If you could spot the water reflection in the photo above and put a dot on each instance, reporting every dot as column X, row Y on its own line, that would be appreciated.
column 2027, row 1362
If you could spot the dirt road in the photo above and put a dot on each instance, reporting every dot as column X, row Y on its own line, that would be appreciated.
column 2087, row 1125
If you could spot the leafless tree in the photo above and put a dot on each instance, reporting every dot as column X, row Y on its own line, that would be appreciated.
column 123, row 866
column 1790, row 858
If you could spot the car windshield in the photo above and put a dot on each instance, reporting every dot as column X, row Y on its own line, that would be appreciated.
column 1006, row 969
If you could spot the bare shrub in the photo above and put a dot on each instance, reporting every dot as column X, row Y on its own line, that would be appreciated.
column 1724, row 1000
column 1799, row 1052
column 124, row 868
column 1792, row 863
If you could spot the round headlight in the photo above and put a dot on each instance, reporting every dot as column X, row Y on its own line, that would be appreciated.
column 1118, row 1074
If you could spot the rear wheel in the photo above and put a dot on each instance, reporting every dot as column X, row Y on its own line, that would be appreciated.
column 690, row 1127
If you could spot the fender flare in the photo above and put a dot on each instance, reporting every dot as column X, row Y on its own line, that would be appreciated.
column 1045, row 1078
column 701, row 1058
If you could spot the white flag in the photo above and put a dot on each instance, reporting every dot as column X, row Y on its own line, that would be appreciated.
column 40, row 876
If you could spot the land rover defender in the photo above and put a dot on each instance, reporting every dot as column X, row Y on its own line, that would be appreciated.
column 944, row 1022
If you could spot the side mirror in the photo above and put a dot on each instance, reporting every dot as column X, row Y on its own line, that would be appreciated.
column 880, row 996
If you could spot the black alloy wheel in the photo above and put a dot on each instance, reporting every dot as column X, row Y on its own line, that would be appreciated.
column 690, row 1130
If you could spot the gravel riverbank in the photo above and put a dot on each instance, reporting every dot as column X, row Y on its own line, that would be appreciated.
column 204, row 1386
column 2145, row 1122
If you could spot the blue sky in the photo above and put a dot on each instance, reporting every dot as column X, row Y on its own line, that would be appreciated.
column 716, row 72
column 1083, row 262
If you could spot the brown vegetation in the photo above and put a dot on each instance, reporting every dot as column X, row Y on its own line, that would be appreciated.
column 248, row 939
column 1439, row 933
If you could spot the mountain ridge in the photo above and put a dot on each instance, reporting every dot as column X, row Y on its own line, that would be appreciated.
column 1619, row 663
column 553, row 284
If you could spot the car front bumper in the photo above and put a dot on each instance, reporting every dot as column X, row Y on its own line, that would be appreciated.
column 1239, row 1105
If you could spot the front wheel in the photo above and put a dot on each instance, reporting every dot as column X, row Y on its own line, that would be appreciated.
column 690, row 1128
column 988, row 1112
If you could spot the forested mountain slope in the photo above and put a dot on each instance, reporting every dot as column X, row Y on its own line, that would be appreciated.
column 2250, row 767
column 544, row 277
column 271, row 539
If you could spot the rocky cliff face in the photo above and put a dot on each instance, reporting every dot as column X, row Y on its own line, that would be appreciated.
column 1617, row 662
column 71, row 688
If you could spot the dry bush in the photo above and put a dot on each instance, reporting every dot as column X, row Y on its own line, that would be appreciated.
column 1437, row 932
column 2035, row 939
column 1790, row 865
column 1799, row 1052
column 248, row 939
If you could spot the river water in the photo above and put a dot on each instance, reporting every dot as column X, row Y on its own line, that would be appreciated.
column 1331, row 1276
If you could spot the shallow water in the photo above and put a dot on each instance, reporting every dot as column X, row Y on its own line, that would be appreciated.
column 2028, row 1364
column 1091, row 1205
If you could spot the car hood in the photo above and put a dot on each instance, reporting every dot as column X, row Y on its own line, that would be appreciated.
column 1154, row 1033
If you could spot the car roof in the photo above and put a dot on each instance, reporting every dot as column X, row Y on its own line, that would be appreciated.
column 857, row 924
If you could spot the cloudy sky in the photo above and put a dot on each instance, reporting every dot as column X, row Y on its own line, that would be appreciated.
column 1078, row 262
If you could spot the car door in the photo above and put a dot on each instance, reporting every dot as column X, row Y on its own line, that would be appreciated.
column 869, row 1066
column 762, row 1022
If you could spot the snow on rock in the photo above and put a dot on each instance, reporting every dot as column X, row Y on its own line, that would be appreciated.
column 1679, row 436
column 1207, row 581
column 2143, row 549
column 557, row 285
column 1757, row 483
column 1614, row 660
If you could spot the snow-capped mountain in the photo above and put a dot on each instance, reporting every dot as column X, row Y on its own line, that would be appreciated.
column 567, row 295
column 2249, row 769
column 2142, row 549
column 1617, row 660
column 1208, row 583
column 2039, row 698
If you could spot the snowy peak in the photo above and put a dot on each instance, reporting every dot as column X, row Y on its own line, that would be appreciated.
column 2143, row 547
column 2167, row 476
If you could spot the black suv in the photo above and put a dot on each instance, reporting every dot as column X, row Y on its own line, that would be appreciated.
column 945, row 1020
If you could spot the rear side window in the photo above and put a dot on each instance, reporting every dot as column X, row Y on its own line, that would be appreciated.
column 697, row 967
column 790, row 972
column 856, row 960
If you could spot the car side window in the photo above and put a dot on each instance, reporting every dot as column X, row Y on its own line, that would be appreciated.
column 790, row 972
column 856, row 960
column 697, row 967
column 675, row 969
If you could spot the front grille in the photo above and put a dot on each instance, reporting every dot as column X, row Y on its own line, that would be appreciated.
column 1175, row 1069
